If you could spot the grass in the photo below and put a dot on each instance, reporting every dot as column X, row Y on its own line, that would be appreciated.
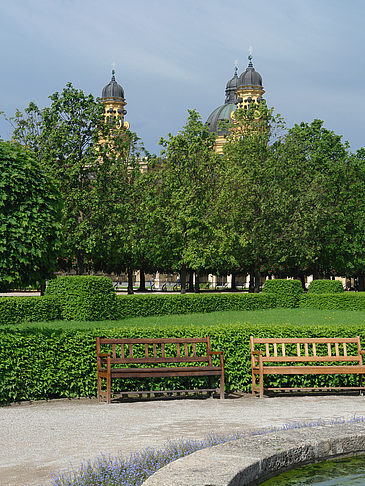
column 265, row 317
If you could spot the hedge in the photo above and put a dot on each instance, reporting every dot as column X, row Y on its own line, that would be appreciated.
column 287, row 292
column 159, row 305
column 43, row 364
column 334, row 301
column 325, row 287
column 84, row 298
column 14, row 310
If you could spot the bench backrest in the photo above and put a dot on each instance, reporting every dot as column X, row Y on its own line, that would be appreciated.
column 307, row 349
column 166, row 350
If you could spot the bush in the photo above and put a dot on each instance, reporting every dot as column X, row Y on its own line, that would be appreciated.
column 43, row 363
column 159, row 305
column 84, row 298
column 287, row 292
column 325, row 287
column 14, row 310
column 343, row 301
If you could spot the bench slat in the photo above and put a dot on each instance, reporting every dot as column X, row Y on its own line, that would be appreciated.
column 309, row 359
column 312, row 370
column 157, row 359
column 304, row 340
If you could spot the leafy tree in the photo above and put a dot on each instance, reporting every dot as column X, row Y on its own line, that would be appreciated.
column 187, row 189
column 322, row 187
column 248, row 193
column 30, row 207
column 94, row 164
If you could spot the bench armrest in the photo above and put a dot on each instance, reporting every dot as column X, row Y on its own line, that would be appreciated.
column 102, row 355
column 216, row 352
column 257, row 352
column 362, row 351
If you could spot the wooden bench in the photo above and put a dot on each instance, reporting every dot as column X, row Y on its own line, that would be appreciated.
column 305, row 356
column 134, row 354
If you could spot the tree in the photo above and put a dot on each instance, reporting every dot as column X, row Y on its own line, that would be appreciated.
column 322, row 186
column 248, row 193
column 187, row 186
column 94, row 165
column 30, row 206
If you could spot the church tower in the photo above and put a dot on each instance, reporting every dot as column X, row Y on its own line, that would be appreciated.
column 240, row 92
column 114, row 101
column 249, row 86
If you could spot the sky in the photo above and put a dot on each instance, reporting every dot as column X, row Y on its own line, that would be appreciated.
column 175, row 55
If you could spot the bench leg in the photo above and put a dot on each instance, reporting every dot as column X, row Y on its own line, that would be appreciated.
column 253, row 384
column 99, row 388
column 108, row 388
column 261, row 384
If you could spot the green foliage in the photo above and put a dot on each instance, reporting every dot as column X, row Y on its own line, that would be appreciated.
column 84, row 298
column 29, row 219
column 145, row 305
column 14, row 310
column 345, row 301
column 43, row 363
column 325, row 287
column 287, row 292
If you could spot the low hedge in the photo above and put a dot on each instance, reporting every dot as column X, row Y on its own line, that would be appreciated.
column 325, row 287
column 43, row 364
column 84, row 298
column 14, row 310
column 159, row 305
column 334, row 301
column 287, row 292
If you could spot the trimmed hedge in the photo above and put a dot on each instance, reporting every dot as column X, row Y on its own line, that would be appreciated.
column 339, row 301
column 325, row 287
column 56, row 306
column 43, row 364
column 287, row 292
column 159, row 305
column 14, row 310
column 84, row 298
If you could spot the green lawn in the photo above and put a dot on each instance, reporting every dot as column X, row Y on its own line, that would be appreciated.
column 268, row 316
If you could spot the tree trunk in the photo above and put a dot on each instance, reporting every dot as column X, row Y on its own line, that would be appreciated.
column 130, row 281
column 233, row 281
column 80, row 263
column 183, row 279
column 302, row 279
column 197, row 282
column 257, row 281
column 142, row 281
column 191, row 281
column 42, row 287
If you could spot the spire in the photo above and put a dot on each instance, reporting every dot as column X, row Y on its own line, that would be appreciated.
column 250, row 57
column 113, row 77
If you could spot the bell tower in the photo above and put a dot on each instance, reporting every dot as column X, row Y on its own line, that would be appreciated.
column 250, row 87
column 113, row 99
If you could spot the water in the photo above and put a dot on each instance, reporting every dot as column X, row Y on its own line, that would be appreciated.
column 349, row 471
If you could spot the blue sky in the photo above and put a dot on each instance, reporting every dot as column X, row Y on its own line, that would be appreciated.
column 173, row 55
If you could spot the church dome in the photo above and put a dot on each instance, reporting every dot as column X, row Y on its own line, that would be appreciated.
column 222, row 113
column 231, row 88
column 250, row 77
column 113, row 89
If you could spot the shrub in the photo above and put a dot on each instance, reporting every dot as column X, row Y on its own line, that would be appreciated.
column 287, row 292
column 159, row 305
column 43, row 363
column 325, row 287
column 343, row 301
column 84, row 298
column 14, row 310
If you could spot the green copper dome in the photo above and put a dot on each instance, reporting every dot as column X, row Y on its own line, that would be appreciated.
column 223, row 112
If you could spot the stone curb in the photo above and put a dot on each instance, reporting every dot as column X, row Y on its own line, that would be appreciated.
column 252, row 460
